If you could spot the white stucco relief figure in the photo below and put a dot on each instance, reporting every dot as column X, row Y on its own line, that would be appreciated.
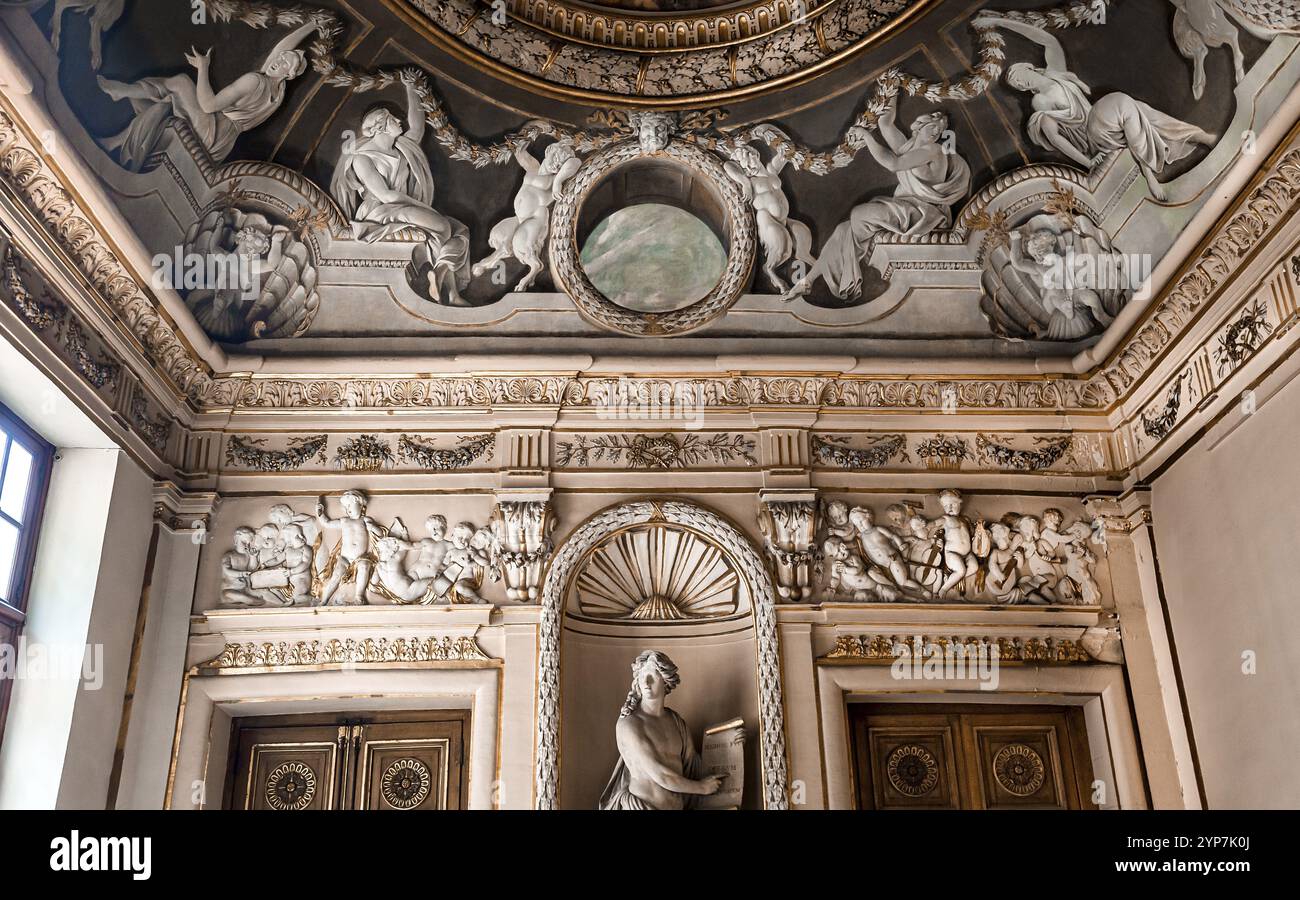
column 1065, row 120
column 299, row 559
column 218, row 118
column 931, row 178
column 1198, row 26
column 384, row 185
column 653, row 128
column 278, row 297
column 352, row 561
column 783, row 239
column 1058, row 278
column 658, row 766
column 523, row 235
column 1202, row 25
column 103, row 16
column 950, row 558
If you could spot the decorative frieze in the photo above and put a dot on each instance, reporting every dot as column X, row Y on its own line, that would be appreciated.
column 886, row 648
column 346, row 652
column 292, row 561
column 655, row 451
column 251, row 453
column 1019, row 559
column 363, row 453
column 944, row 452
column 423, row 453
column 880, row 449
column 1045, row 453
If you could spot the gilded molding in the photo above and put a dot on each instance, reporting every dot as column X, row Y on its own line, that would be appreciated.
column 25, row 170
column 879, row 647
column 366, row 651
column 1261, row 210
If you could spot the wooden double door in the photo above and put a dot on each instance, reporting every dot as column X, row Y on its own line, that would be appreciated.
column 394, row 761
column 931, row 756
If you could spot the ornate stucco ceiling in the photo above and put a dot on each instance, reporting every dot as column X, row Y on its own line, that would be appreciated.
column 1021, row 119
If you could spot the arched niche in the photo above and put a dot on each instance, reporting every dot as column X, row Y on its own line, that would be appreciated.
column 588, row 638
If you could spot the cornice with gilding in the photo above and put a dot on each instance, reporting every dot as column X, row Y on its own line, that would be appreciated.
column 76, row 233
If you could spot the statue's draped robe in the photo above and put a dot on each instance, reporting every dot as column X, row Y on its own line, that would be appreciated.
column 372, row 219
column 618, row 794
column 157, row 100
column 917, row 207
column 1114, row 122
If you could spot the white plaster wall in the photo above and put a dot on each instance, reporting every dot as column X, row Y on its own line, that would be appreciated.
column 162, row 666
column 62, row 729
column 1227, row 524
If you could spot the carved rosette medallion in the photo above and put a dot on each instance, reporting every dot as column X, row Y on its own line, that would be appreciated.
column 290, row 786
column 1019, row 769
column 912, row 770
column 405, row 784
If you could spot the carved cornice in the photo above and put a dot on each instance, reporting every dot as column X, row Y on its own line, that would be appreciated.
column 28, row 173
column 1267, row 204
column 347, row 652
column 184, row 511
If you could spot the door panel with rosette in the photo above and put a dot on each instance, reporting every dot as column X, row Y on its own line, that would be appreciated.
column 393, row 761
column 935, row 756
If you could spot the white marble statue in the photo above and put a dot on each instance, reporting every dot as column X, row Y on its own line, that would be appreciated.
column 931, row 178
column 1065, row 120
column 658, row 767
column 384, row 185
column 103, row 16
column 523, row 235
column 783, row 239
column 216, row 117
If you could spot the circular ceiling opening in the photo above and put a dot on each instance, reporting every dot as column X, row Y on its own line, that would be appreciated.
column 653, row 258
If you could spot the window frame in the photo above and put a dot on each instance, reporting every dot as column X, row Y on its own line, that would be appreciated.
column 13, row 609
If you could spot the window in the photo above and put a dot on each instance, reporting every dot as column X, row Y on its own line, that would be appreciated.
column 25, row 462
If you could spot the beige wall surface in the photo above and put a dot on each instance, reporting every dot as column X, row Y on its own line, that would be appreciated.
column 1227, row 522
